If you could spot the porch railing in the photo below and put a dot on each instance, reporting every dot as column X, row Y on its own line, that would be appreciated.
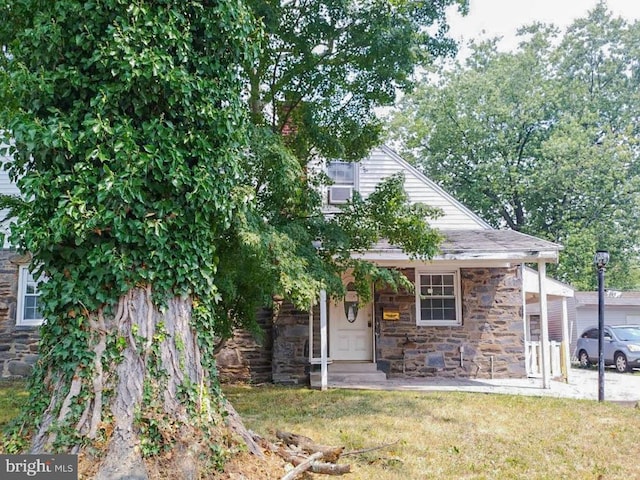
column 534, row 359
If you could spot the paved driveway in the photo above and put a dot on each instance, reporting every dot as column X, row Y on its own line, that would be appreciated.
column 583, row 384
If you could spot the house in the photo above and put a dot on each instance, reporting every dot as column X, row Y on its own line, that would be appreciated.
column 466, row 317
column 581, row 310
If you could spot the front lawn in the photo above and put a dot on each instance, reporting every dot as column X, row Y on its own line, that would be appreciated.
column 453, row 435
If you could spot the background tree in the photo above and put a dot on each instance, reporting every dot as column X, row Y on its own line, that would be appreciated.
column 327, row 65
column 161, row 217
column 543, row 140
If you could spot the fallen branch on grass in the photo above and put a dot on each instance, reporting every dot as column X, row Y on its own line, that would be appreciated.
column 303, row 467
column 329, row 454
column 371, row 449
column 294, row 449
column 307, row 456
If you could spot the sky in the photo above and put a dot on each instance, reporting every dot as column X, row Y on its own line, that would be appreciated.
column 504, row 17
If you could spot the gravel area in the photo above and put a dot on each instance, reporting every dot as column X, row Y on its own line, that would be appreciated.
column 583, row 384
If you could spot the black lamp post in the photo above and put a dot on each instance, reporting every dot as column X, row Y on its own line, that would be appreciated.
column 600, row 260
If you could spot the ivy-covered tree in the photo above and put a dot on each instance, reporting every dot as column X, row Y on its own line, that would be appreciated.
column 543, row 140
column 126, row 127
column 161, row 216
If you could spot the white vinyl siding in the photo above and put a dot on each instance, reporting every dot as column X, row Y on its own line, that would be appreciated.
column 7, row 187
column 438, row 298
column 383, row 162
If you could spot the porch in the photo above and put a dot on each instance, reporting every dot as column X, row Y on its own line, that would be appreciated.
column 346, row 343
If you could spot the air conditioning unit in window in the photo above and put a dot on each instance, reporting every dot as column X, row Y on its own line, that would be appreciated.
column 340, row 194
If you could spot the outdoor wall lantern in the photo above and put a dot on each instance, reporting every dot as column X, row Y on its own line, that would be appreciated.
column 600, row 261
column 351, row 302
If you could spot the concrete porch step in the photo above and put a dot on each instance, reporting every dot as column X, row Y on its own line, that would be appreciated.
column 353, row 367
column 349, row 373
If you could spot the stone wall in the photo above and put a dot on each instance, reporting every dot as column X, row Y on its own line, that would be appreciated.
column 18, row 345
column 491, row 334
column 291, row 346
column 245, row 358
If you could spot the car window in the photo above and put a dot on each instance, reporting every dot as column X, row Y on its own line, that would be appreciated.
column 591, row 333
column 627, row 334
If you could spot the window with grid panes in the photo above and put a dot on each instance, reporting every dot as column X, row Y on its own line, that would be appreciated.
column 438, row 299
column 342, row 173
column 28, row 299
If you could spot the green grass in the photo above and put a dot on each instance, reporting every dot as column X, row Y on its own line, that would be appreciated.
column 12, row 396
column 453, row 435
column 440, row 435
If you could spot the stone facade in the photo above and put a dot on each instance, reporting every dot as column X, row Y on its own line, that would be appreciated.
column 282, row 358
column 291, row 346
column 491, row 334
column 18, row 344
column 245, row 358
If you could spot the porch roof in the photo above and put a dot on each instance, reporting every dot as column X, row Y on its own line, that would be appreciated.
column 484, row 244
column 553, row 288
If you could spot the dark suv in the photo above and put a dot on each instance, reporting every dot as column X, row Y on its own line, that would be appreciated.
column 621, row 347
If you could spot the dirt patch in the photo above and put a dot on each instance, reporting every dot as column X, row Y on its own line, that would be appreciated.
column 249, row 467
column 243, row 466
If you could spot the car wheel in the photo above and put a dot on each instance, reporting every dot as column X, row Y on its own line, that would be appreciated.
column 583, row 358
column 621, row 362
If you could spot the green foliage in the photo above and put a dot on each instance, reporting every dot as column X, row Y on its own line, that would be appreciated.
column 327, row 64
column 324, row 68
column 543, row 140
column 128, row 130
column 270, row 250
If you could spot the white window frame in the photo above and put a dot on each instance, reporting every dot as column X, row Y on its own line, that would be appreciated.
column 353, row 165
column 457, row 296
column 24, row 277
column 340, row 191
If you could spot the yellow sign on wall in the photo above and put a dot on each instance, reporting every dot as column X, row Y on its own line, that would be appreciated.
column 391, row 315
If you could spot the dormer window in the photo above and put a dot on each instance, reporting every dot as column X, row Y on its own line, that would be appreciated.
column 343, row 176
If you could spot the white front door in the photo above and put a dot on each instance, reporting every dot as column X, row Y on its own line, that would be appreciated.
column 350, row 329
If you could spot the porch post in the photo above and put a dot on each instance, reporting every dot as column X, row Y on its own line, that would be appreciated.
column 566, row 340
column 311, row 335
column 525, row 324
column 323, row 340
column 544, row 326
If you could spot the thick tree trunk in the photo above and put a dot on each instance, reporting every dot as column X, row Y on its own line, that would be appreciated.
column 146, row 389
